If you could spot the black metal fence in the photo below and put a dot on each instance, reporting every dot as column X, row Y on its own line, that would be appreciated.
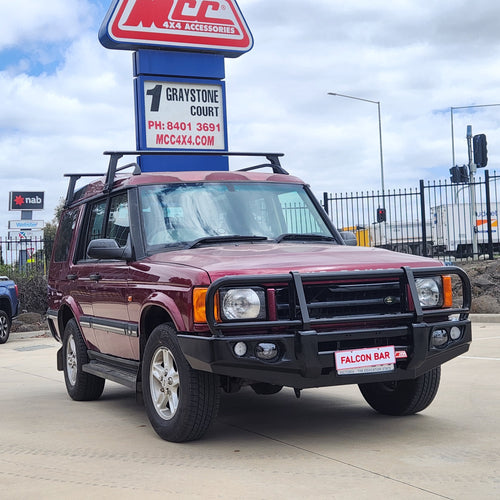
column 25, row 255
column 438, row 219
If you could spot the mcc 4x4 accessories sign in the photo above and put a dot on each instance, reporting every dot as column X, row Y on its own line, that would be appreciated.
column 201, row 25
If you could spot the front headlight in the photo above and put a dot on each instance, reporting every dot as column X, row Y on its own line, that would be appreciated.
column 242, row 303
column 429, row 291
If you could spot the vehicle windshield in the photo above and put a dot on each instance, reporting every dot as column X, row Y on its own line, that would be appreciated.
column 206, row 213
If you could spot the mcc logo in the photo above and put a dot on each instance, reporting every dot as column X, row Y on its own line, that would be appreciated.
column 201, row 25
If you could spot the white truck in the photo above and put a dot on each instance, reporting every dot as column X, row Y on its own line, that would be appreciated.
column 450, row 230
column 453, row 229
column 403, row 236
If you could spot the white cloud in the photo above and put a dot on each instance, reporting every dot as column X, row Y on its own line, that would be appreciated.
column 31, row 22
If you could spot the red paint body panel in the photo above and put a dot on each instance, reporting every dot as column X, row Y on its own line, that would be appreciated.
column 278, row 258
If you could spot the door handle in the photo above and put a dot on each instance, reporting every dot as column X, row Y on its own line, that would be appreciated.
column 95, row 277
column 71, row 277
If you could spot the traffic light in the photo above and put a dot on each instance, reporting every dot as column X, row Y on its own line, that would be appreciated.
column 459, row 175
column 381, row 215
column 480, row 150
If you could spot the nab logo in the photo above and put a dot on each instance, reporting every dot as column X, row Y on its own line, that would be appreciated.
column 26, row 200
column 201, row 25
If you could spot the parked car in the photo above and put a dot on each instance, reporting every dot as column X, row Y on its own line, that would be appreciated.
column 182, row 284
column 9, row 306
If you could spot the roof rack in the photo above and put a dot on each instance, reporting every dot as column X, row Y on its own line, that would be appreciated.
column 273, row 158
column 114, row 156
column 110, row 177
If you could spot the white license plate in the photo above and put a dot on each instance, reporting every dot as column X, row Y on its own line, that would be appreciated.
column 370, row 360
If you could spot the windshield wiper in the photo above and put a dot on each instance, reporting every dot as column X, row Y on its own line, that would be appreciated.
column 207, row 240
column 303, row 237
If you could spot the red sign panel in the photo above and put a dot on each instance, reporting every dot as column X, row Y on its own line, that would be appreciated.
column 201, row 25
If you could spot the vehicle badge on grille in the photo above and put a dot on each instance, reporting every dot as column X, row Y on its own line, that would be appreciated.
column 389, row 300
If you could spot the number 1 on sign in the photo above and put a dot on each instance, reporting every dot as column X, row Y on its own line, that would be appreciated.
column 155, row 92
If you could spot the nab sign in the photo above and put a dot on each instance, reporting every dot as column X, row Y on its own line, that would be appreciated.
column 215, row 26
column 26, row 200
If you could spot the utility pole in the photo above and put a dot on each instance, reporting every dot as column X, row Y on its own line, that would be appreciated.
column 472, row 194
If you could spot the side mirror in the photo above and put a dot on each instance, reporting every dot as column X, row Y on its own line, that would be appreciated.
column 105, row 248
column 349, row 238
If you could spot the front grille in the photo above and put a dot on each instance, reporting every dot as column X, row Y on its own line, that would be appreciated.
column 377, row 338
column 330, row 300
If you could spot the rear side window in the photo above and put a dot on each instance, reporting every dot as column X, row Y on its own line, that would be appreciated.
column 64, row 236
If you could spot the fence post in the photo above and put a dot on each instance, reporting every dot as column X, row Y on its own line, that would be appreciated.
column 325, row 201
column 488, row 213
column 422, row 216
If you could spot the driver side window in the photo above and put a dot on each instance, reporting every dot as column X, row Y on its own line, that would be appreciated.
column 118, row 227
column 108, row 218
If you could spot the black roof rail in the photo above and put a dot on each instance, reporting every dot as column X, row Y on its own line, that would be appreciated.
column 110, row 176
column 113, row 168
column 72, row 183
column 160, row 152
column 273, row 158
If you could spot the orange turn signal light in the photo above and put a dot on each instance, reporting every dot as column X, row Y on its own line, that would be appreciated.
column 199, row 305
column 447, row 292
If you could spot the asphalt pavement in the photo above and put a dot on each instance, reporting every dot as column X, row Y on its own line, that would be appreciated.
column 326, row 445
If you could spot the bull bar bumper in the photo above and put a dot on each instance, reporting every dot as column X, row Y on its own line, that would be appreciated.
column 307, row 346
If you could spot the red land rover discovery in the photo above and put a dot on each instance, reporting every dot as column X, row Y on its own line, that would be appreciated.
column 182, row 284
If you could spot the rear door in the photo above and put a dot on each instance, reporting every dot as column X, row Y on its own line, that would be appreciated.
column 69, row 280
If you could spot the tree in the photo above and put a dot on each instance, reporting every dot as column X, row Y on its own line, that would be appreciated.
column 50, row 229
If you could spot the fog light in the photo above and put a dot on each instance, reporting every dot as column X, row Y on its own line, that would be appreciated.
column 455, row 333
column 439, row 338
column 240, row 349
column 266, row 351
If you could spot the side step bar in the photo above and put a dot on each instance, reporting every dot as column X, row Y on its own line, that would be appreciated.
column 121, row 371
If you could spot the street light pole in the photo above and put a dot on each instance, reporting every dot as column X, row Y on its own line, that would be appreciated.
column 379, row 132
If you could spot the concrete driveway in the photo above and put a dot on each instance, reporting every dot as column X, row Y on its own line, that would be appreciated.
column 326, row 445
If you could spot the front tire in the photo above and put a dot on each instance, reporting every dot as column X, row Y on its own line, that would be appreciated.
column 81, row 386
column 403, row 397
column 4, row 326
column 180, row 402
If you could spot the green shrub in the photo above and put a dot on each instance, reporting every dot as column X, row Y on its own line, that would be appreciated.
column 32, row 287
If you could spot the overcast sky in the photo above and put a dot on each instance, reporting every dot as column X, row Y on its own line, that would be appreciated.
column 66, row 99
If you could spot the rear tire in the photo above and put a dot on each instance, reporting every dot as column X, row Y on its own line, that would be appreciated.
column 403, row 397
column 81, row 386
column 4, row 326
column 180, row 402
